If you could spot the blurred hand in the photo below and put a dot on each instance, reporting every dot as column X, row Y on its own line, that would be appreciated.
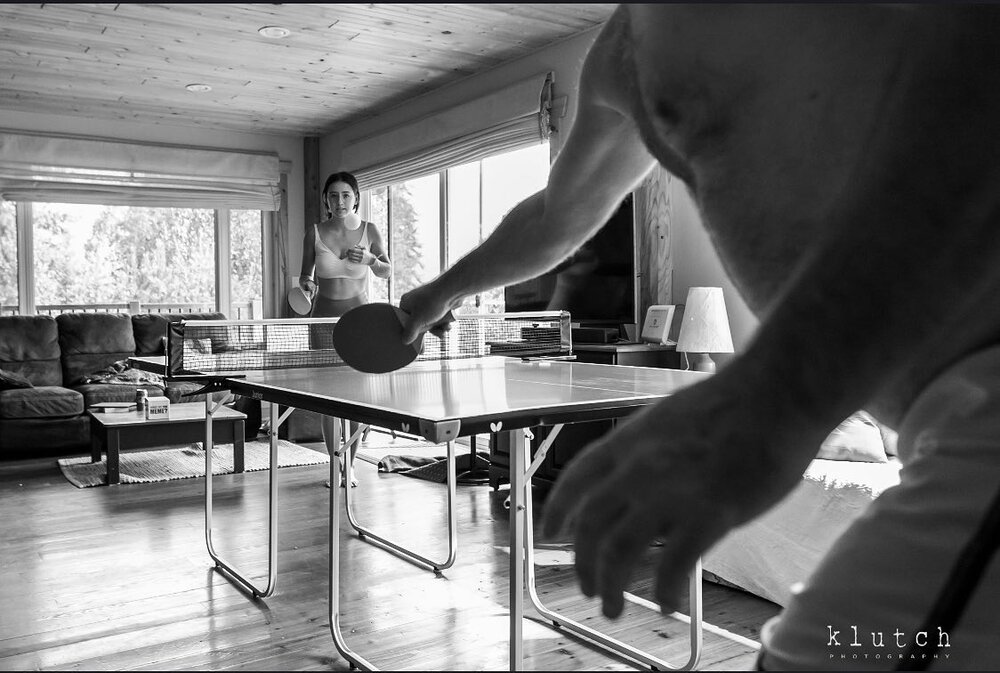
column 427, row 313
column 359, row 255
column 685, row 471
column 307, row 285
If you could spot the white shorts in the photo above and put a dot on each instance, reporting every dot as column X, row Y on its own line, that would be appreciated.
column 866, row 602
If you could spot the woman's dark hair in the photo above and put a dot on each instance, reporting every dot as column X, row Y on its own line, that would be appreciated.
column 342, row 177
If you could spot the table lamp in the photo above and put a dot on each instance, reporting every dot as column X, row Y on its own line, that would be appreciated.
column 705, row 328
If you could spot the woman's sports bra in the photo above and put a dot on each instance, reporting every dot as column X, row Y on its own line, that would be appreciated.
column 330, row 265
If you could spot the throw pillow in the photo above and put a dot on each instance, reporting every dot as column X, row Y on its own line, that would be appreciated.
column 857, row 438
column 10, row 381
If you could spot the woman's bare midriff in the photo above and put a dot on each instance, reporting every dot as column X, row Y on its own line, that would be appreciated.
column 342, row 288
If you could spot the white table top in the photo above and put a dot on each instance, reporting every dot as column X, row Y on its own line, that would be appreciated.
column 473, row 391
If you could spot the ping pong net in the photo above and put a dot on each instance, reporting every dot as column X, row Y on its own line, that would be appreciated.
column 207, row 348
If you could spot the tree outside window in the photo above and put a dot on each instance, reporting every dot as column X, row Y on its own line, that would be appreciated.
column 246, row 255
column 480, row 193
column 96, row 257
column 8, row 258
column 115, row 254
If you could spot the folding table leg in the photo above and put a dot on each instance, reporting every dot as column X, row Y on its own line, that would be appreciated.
column 518, row 510
column 398, row 549
column 593, row 635
column 272, row 518
column 353, row 658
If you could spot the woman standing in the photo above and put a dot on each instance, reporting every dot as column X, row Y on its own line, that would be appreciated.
column 340, row 251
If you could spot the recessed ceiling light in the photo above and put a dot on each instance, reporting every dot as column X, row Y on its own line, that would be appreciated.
column 199, row 88
column 274, row 32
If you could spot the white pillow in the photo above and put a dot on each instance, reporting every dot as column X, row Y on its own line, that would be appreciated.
column 858, row 438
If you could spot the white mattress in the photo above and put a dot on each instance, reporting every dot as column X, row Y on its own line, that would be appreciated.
column 782, row 547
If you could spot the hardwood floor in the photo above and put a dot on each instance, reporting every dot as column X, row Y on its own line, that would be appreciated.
column 118, row 578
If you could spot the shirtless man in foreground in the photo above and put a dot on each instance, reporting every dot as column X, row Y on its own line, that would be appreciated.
column 846, row 162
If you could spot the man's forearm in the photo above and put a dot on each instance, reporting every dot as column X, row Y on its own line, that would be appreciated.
column 526, row 244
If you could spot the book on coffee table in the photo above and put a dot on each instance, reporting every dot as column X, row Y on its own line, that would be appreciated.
column 113, row 407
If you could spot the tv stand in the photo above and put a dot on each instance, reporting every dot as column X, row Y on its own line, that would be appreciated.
column 634, row 354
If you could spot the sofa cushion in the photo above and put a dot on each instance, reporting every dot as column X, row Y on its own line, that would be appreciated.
column 29, row 346
column 12, row 381
column 91, row 342
column 150, row 329
column 40, row 402
column 94, row 393
column 38, row 437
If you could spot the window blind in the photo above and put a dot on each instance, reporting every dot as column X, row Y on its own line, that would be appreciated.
column 69, row 169
column 513, row 117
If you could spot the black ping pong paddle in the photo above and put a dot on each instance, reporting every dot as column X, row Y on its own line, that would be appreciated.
column 370, row 338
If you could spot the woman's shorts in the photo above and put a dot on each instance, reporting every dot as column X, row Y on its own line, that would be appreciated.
column 321, row 336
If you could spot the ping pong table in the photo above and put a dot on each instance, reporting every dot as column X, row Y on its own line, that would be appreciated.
column 439, row 398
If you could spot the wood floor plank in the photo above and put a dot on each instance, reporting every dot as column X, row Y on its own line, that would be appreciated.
column 118, row 578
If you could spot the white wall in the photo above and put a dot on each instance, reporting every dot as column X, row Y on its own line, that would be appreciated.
column 288, row 148
column 696, row 264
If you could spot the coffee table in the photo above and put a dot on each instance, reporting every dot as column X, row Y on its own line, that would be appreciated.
column 185, row 424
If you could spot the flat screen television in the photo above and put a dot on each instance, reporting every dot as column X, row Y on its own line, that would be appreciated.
column 597, row 284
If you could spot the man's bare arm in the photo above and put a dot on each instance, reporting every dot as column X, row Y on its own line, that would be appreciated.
column 602, row 160
column 891, row 290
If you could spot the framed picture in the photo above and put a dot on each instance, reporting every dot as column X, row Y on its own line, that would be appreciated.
column 656, row 326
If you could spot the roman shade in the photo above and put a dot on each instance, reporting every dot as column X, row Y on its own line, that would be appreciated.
column 71, row 169
column 515, row 116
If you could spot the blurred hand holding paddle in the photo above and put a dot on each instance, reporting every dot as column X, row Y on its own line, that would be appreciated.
column 369, row 338
column 423, row 315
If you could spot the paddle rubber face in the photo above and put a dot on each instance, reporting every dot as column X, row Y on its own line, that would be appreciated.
column 299, row 301
column 370, row 339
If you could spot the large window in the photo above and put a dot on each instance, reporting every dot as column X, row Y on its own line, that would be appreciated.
column 419, row 223
column 125, row 258
column 412, row 211
column 119, row 254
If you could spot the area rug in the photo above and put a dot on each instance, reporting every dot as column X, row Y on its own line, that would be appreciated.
column 143, row 467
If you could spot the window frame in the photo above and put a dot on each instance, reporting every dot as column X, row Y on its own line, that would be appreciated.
column 443, row 215
column 25, row 234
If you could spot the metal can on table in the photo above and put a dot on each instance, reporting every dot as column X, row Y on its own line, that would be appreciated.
column 140, row 399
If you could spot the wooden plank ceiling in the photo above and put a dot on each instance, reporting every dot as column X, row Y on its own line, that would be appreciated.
column 341, row 63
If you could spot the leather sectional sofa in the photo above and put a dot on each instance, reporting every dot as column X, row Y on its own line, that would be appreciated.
column 59, row 357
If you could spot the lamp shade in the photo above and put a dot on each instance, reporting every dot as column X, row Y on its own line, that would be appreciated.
column 705, row 328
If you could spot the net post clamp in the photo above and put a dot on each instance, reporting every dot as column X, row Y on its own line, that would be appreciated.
column 214, row 386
